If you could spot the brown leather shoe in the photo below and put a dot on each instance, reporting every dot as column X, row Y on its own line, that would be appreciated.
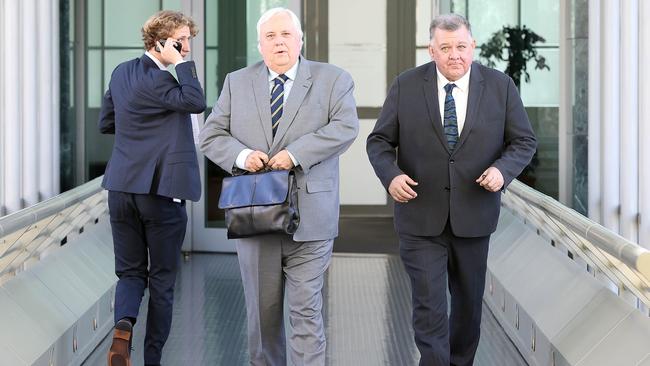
column 120, row 352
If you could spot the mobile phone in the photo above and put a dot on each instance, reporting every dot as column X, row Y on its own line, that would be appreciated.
column 177, row 45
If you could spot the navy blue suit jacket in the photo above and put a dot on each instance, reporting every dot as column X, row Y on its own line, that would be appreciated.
column 409, row 139
column 148, row 110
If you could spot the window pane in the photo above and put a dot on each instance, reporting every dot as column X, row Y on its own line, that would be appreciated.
column 211, row 92
column 94, row 91
column 123, row 20
column 459, row 7
column 94, row 23
column 211, row 29
column 351, row 47
column 543, row 17
column 487, row 17
column 172, row 5
column 254, row 9
column 423, row 16
column 543, row 89
column 422, row 56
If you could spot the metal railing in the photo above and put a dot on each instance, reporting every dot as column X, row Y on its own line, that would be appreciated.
column 622, row 263
column 30, row 234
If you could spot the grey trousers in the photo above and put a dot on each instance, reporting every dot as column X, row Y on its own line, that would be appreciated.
column 270, row 266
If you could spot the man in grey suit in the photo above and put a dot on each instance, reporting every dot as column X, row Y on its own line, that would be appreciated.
column 451, row 136
column 286, row 113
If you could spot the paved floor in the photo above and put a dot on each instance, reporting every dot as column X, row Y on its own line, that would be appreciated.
column 367, row 312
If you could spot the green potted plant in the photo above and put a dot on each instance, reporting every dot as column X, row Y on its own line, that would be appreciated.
column 516, row 46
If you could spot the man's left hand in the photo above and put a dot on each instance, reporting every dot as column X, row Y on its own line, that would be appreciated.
column 491, row 179
column 281, row 161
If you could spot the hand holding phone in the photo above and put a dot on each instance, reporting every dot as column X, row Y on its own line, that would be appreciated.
column 177, row 45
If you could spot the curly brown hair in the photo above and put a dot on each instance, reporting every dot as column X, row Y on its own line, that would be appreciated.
column 163, row 24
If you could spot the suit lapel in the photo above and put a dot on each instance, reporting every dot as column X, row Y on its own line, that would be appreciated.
column 430, row 87
column 291, row 105
column 476, row 86
column 260, row 83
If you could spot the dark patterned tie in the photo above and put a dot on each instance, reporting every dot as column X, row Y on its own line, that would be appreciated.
column 277, row 101
column 449, row 119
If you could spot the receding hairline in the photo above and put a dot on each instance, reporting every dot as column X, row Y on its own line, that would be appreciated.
column 450, row 23
column 267, row 15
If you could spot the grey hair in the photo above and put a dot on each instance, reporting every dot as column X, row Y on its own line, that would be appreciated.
column 274, row 11
column 449, row 22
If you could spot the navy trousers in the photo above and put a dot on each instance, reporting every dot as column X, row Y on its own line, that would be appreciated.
column 433, row 265
column 148, row 232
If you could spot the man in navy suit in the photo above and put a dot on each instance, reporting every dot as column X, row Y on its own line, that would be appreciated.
column 451, row 136
column 152, row 171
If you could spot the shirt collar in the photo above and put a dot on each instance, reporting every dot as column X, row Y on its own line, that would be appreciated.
column 291, row 73
column 462, row 83
column 160, row 64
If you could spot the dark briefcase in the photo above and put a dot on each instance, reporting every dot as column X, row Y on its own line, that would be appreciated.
column 260, row 203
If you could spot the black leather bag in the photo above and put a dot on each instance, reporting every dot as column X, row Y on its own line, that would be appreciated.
column 260, row 203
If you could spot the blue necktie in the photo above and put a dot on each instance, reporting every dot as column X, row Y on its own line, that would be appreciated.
column 277, row 101
column 449, row 119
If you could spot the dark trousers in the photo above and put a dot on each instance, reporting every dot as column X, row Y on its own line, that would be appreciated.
column 148, row 232
column 433, row 263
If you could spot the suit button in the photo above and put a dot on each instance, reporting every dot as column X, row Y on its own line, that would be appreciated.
column 446, row 188
column 451, row 161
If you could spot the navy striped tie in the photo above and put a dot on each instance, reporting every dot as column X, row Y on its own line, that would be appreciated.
column 449, row 119
column 277, row 101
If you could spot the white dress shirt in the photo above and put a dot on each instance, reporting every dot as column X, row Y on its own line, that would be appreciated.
column 460, row 94
column 291, row 74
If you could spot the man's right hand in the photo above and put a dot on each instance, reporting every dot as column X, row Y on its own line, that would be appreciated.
column 168, row 53
column 400, row 188
column 256, row 161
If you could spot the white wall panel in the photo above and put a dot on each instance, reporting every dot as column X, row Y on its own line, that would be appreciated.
column 2, row 117
column 629, row 119
column 29, row 98
column 644, row 125
column 359, row 184
column 357, row 43
column 29, row 132
column 610, row 113
column 12, row 117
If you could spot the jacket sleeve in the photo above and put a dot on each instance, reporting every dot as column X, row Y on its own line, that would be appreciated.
column 215, row 140
column 107, row 115
column 383, row 141
column 185, row 95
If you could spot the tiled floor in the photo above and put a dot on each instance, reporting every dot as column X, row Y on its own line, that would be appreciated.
column 367, row 314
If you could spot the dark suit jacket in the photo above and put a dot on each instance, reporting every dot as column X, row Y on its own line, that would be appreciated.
column 149, row 113
column 410, row 131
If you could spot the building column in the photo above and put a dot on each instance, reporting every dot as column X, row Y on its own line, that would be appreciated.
column 629, row 119
column 644, row 125
column 29, row 98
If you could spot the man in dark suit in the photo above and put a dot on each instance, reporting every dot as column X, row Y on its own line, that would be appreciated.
column 451, row 136
column 152, row 171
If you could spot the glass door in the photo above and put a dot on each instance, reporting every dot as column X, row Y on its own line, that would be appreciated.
column 230, row 31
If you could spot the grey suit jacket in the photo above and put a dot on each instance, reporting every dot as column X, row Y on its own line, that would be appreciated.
column 409, row 139
column 319, row 122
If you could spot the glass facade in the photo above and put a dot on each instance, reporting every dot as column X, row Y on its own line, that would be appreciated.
column 541, row 94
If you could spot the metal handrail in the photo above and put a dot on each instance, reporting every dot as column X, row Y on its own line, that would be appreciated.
column 628, row 252
column 33, row 214
column 28, row 235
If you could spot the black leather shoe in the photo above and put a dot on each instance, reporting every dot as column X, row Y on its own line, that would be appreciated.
column 120, row 352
